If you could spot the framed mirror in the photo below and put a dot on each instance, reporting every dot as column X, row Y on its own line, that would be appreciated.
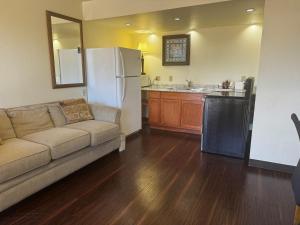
column 66, row 51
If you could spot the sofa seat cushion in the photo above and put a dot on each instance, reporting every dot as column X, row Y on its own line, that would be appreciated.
column 100, row 131
column 18, row 157
column 61, row 141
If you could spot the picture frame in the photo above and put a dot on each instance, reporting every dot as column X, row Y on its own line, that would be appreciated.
column 176, row 50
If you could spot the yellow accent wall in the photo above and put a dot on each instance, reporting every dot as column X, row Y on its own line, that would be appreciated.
column 217, row 54
column 96, row 35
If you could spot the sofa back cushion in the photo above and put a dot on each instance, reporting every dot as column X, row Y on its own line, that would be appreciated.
column 28, row 120
column 57, row 115
column 6, row 128
column 76, row 110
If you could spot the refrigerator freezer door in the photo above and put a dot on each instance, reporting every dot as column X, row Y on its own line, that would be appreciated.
column 128, row 62
column 101, row 74
column 130, row 103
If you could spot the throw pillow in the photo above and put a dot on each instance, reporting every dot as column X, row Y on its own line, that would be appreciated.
column 76, row 111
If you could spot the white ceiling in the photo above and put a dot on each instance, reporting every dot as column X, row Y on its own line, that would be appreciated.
column 99, row 9
column 227, row 13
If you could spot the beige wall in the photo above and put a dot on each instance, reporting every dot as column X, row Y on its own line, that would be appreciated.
column 25, row 68
column 278, row 91
column 217, row 54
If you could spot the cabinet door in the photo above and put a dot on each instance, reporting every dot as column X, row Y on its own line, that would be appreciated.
column 170, row 112
column 191, row 114
column 154, row 111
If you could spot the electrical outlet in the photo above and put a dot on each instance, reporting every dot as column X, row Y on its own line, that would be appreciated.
column 170, row 78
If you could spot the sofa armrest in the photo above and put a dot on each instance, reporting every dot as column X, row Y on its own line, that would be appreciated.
column 106, row 113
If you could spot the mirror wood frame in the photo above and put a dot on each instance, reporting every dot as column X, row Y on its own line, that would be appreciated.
column 50, row 14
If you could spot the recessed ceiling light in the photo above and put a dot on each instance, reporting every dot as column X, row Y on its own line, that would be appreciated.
column 250, row 10
column 177, row 18
column 128, row 24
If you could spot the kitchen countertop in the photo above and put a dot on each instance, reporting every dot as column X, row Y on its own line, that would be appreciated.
column 175, row 89
column 226, row 94
column 209, row 92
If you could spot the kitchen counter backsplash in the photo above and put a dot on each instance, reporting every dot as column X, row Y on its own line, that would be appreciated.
column 226, row 94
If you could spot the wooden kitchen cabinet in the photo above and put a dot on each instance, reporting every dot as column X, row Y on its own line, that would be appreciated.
column 154, row 111
column 176, row 111
column 191, row 114
column 170, row 112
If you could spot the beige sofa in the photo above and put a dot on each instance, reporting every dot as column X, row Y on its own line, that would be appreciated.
column 33, row 158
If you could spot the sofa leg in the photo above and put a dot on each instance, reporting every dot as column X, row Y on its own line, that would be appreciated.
column 123, row 143
column 297, row 215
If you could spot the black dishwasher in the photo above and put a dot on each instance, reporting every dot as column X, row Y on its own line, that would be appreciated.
column 226, row 123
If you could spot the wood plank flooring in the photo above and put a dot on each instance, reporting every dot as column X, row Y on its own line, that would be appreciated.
column 162, row 178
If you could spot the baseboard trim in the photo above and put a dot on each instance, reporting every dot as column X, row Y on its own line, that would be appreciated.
column 134, row 134
column 178, row 130
column 271, row 166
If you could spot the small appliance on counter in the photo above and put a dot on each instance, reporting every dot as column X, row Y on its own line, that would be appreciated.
column 145, row 81
column 226, row 84
column 239, row 86
column 226, row 122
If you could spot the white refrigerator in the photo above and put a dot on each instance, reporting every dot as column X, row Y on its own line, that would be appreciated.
column 113, row 79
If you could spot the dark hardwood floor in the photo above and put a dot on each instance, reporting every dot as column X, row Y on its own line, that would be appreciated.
column 162, row 178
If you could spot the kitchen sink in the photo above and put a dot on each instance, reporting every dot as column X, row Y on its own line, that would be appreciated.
column 191, row 89
column 184, row 88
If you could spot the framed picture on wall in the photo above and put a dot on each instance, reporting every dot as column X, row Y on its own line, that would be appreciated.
column 176, row 50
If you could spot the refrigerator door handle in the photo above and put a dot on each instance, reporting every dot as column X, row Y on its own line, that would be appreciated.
column 124, row 89
column 122, row 63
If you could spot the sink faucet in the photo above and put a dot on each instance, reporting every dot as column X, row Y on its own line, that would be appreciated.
column 189, row 83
